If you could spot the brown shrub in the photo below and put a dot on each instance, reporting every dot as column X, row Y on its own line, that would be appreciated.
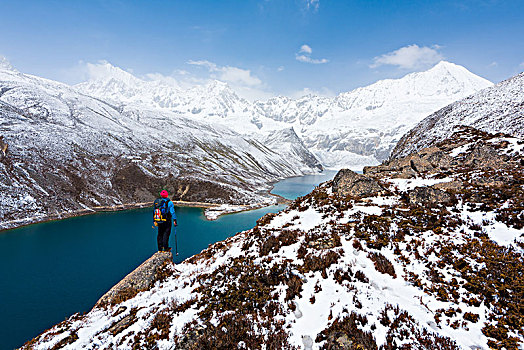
column 349, row 328
column 382, row 264
column 318, row 263
column 233, row 328
column 469, row 316
column 360, row 276
column 294, row 287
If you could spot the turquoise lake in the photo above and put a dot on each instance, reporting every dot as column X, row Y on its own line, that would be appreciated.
column 52, row 270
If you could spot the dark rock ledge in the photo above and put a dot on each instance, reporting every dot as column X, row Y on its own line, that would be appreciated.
column 141, row 279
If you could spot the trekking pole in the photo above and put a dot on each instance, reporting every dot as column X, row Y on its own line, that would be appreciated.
column 176, row 244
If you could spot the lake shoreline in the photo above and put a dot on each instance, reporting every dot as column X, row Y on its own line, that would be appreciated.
column 225, row 209
column 229, row 208
column 130, row 206
column 94, row 210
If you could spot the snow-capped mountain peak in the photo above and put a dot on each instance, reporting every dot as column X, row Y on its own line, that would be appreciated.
column 495, row 109
column 364, row 124
column 105, row 71
column 5, row 64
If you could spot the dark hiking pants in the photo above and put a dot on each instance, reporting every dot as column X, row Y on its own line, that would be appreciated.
column 164, row 230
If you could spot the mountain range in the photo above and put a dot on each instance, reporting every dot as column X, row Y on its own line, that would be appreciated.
column 353, row 129
column 112, row 141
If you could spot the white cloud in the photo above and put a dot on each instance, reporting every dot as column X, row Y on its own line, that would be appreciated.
column 239, row 76
column 83, row 71
column 168, row 80
column 306, row 49
column 313, row 5
column 103, row 69
column 521, row 65
column 307, row 59
column 204, row 63
column 304, row 55
column 280, row 69
column 493, row 64
column 410, row 57
column 242, row 81
column 233, row 75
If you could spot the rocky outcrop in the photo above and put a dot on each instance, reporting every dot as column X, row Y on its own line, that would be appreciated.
column 3, row 148
column 426, row 161
column 347, row 182
column 466, row 149
column 429, row 195
column 141, row 279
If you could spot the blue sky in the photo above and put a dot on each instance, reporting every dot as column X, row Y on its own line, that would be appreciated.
column 264, row 47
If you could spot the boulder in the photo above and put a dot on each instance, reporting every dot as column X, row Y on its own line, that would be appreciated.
column 347, row 182
column 429, row 195
column 454, row 185
column 124, row 323
column 484, row 156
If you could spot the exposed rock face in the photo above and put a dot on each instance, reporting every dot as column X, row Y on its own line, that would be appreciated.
column 141, row 279
column 484, row 156
column 467, row 149
column 425, row 161
column 347, row 182
column 124, row 323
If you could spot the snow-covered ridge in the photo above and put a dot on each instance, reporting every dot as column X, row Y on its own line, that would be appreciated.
column 355, row 128
column 335, row 270
column 499, row 108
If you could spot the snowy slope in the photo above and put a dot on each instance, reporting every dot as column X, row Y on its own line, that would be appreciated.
column 499, row 108
column 353, row 129
column 334, row 271
column 68, row 152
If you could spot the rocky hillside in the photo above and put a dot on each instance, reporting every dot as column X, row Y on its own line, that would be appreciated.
column 355, row 128
column 499, row 108
column 63, row 153
column 425, row 252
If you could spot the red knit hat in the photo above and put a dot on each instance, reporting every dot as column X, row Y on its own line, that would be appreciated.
column 164, row 194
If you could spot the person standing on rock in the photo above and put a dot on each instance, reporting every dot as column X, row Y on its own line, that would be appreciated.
column 164, row 214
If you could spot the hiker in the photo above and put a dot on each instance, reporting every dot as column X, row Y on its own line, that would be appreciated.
column 164, row 214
